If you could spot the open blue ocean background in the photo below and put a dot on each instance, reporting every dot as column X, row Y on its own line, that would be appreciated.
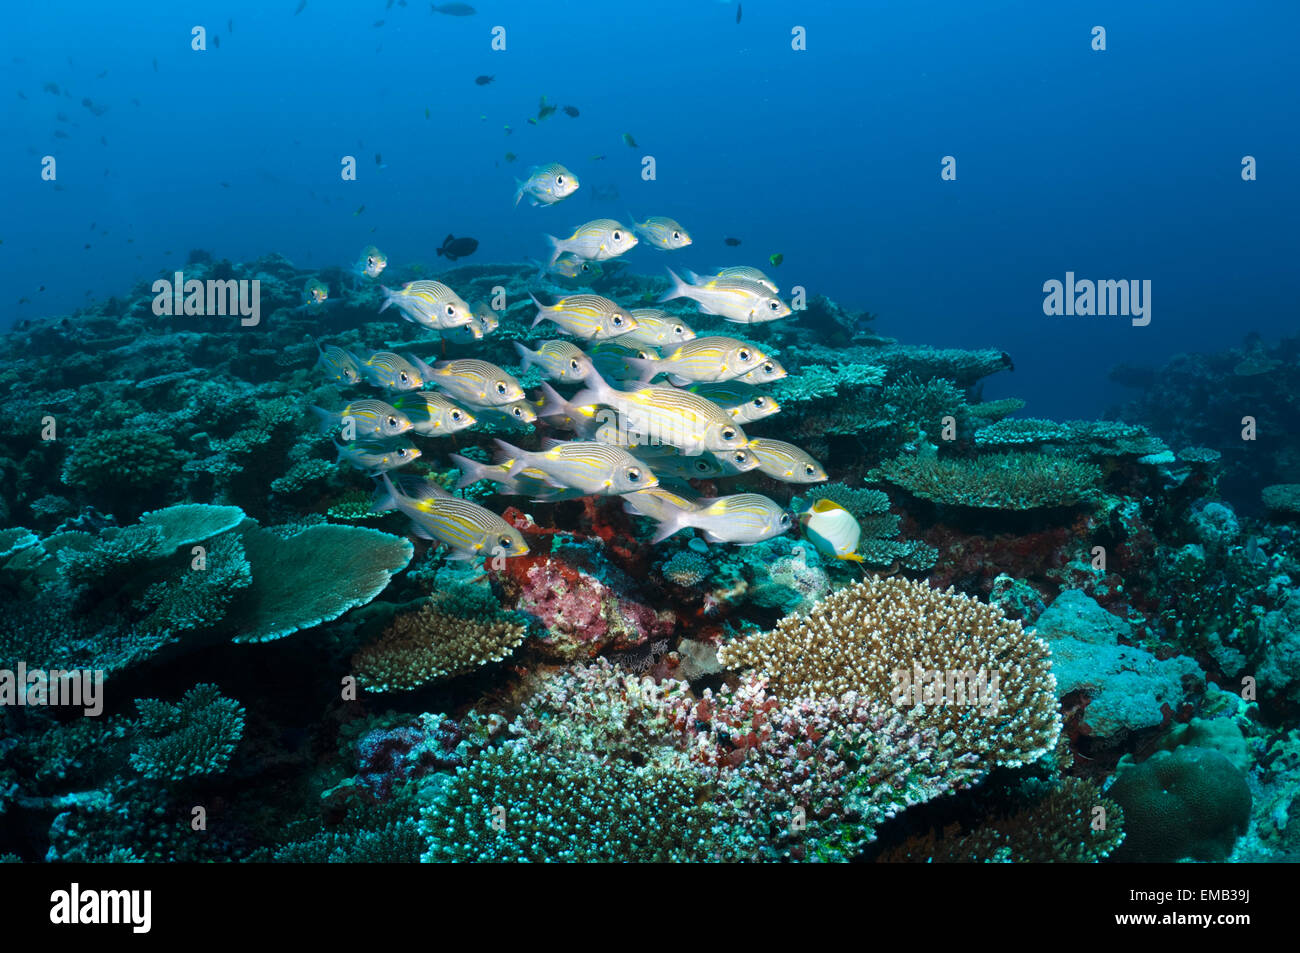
column 1117, row 164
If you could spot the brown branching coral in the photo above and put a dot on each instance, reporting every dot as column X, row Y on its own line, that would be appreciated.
column 427, row 645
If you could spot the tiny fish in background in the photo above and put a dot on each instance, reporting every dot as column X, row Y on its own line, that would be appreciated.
column 454, row 9
column 454, row 248
column 832, row 529
column 776, row 259
column 302, row 5
column 483, row 80
column 571, row 111
column 371, row 263
column 378, row 23
column 733, row 242
column 546, row 184
column 631, row 143
column 315, row 292
column 739, row 8
column 341, row 366
column 216, row 41
column 360, row 209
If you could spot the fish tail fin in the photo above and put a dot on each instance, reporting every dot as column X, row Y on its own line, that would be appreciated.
column 385, row 495
column 553, row 405
column 426, row 372
column 527, row 357
column 519, row 190
column 672, row 523
column 325, row 418
column 389, row 295
column 597, row 391
column 519, row 457
column 556, row 248
column 853, row 557
column 541, row 310
column 471, row 471
column 676, row 290
column 690, row 276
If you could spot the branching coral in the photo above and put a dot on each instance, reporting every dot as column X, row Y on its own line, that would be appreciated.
column 196, row 736
column 1010, row 481
column 427, row 645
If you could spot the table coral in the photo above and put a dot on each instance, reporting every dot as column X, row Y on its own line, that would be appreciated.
column 1010, row 481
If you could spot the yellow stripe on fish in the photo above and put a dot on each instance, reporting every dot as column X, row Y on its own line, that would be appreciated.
column 468, row 529
column 785, row 461
column 714, row 358
column 473, row 381
column 665, row 415
column 430, row 304
column 586, row 316
column 662, row 232
column 594, row 468
column 599, row 240
column 733, row 299
column 370, row 418
column 656, row 328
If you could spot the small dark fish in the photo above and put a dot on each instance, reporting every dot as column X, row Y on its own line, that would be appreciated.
column 92, row 226
column 216, row 41
column 302, row 5
column 454, row 9
column 102, row 75
column 61, row 117
column 378, row 159
column 776, row 259
column 135, row 102
column 426, row 112
column 483, row 80
column 378, row 23
column 454, row 248
column 532, row 121
column 627, row 137
column 733, row 242
column 225, row 185
column 571, row 111
column 24, row 300
column 51, row 87
column 511, row 157
column 86, row 246
column 41, row 288
column 360, row 209
column 738, row 9
column 597, row 158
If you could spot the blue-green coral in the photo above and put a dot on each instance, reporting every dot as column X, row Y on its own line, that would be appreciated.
column 195, row 736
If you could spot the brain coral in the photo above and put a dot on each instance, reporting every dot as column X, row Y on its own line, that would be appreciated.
column 1186, row 803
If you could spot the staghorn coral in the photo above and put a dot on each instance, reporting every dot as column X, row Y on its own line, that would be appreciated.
column 428, row 645
column 193, row 737
column 1009, row 481
column 1057, row 829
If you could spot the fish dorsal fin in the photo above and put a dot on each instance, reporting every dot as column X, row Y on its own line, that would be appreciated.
column 826, row 506
column 550, row 443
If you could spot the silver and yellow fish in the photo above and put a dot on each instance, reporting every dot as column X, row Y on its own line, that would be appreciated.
column 467, row 529
column 744, row 273
column 733, row 299
column 786, row 462
column 569, row 265
column 484, row 323
column 598, row 240
column 714, row 358
column 371, row 264
column 369, row 418
column 473, row 381
column 590, row 317
column 668, row 463
column 766, row 372
column 614, row 358
column 564, row 414
column 391, row 371
column 741, row 460
column 433, row 415
column 529, row 482
column 594, row 468
column 430, row 304
column 546, row 184
column 341, row 366
column 376, row 458
column 558, row 360
column 743, row 518
column 657, row 503
column 315, row 292
column 832, row 529
column 662, row 232
column 520, row 412
column 656, row 328
column 745, row 402
column 653, row 414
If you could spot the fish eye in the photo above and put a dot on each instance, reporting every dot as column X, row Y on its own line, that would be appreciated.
column 573, row 363
column 677, row 234
column 740, row 456
column 518, row 411
column 760, row 401
column 586, row 267
column 392, row 421
column 505, row 542
column 785, row 519
column 501, row 387
column 455, row 415
column 729, row 433
column 370, row 260
column 702, row 466
column 633, row 474
column 745, row 356
column 401, row 452
column 772, row 305
column 405, row 379
column 559, row 180
column 809, row 469
column 618, row 236
column 678, row 329
column 618, row 322
column 768, row 368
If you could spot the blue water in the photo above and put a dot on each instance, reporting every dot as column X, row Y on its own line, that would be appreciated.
column 1115, row 164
